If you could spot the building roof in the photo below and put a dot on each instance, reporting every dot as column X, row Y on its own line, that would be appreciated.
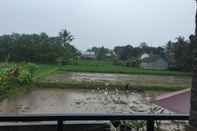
column 178, row 102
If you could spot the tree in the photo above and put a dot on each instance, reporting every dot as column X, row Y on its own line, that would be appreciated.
column 37, row 48
column 65, row 36
column 179, row 54
column 125, row 52
column 193, row 111
column 143, row 45
column 101, row 52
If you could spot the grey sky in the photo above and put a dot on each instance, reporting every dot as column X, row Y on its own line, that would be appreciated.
column 101, row 22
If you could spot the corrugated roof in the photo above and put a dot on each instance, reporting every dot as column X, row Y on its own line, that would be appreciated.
column 178, row 102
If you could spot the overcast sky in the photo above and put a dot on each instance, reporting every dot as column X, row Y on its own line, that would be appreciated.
column 101, row 22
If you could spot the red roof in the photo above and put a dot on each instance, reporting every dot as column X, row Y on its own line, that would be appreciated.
column 178, row 102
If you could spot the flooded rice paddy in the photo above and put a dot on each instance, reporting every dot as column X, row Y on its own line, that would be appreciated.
column 75, row 101
column 54, row 100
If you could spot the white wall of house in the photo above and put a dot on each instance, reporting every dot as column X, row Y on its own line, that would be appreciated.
column 145, row 55
column 88, row 55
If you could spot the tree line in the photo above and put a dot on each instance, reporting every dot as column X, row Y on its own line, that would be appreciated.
column 177, row 53
column 37, row 48
column 42, row 48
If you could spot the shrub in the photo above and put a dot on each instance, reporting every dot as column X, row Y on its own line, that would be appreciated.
column 116, row 61
column 25, row 77
column 74, row 60
column 15, row 76
column 8, row 79
column 133, row 62
column 31, row 68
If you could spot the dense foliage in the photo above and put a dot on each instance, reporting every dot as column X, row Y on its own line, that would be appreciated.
column 102, row 53
column 178, row 54
column 14, row 76
column 127, row 52
column 37, row 48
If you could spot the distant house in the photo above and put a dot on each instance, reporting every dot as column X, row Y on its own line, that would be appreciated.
column 88, row 55
column 153, row 62
column 145, row 55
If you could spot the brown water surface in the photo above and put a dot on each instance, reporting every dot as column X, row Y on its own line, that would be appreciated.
column 75, row 101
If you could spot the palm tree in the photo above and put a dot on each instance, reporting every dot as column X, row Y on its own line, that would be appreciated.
column 193, row 112
column 65, row 36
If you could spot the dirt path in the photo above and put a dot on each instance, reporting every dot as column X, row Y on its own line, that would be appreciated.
column 141, row 79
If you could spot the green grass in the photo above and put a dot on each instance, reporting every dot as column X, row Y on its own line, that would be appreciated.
column 107, row 67
column 44, row 70
column 102, row 67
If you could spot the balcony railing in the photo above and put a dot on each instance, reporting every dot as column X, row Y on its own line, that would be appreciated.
column 60, row 118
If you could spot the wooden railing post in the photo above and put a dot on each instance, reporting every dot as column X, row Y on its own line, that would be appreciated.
column 60, row 125
column 150, row 125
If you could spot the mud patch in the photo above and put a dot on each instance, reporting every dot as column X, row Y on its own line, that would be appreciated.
column 75, row 101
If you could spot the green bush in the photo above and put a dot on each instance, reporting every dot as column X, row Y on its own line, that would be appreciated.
column 15, row 76
column 133, row 62
column 118, row 62
column 30, row 68
column 25, row 77
column 74, row 60
column 8, row 79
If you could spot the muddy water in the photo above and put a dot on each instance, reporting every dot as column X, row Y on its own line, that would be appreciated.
column 78, row 100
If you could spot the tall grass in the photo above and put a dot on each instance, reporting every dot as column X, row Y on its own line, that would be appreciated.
column 107, row 67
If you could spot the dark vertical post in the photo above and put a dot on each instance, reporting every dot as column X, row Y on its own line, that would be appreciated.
column 150, row 125
column 60, row 125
